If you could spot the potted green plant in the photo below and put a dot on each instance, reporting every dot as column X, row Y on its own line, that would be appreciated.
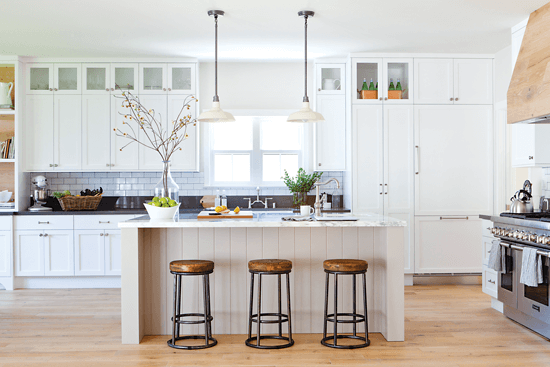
column 300, row 185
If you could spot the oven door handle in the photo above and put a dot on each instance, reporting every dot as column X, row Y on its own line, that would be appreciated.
column 520, row 248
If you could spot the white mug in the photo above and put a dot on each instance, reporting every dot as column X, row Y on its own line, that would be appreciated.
column 306, row 210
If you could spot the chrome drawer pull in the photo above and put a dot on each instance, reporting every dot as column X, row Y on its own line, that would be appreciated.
column 107, row 222
column 39, row 222
column 442, row 218
column 491, row 281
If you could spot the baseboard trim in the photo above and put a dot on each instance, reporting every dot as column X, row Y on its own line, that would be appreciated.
column 446, row 279
column 66, row 282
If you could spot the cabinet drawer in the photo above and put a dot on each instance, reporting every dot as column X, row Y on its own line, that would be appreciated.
column 99, row 221
column 38, row 222
column 489, row 282
column 5, row 222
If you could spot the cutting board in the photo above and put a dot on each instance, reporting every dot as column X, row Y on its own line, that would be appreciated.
column 242, row 214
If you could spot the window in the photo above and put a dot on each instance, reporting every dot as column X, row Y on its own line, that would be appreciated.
column 254, row 151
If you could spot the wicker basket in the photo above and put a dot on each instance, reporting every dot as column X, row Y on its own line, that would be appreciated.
column 71, row 203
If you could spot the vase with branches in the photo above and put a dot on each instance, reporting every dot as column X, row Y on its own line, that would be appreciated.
column 164, row 138
column 300, row 185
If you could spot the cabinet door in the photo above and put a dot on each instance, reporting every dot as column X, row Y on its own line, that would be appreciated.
column 181, row 78
column 96, row 78
column 123, row 156
column 96, row 132
column 39, row 133
column 365, row 70
column 408, row 239
column 150, row 159
column 5, row 253
column 433, row 81
column 489, row 282
column 330, row 79
column 186, row 159
column 29, row 253
column 152, row 79
column 523, row 145
column 448, row 244
column 89, row 252
column 113, row 255
column 67, row 79
column 454, row 160
column 67, row 132
column 330, row 135
column 58, row 252
column 39, row 78
column 368, row 137
column 473, row 81
column 397, row 71
column 125, row 76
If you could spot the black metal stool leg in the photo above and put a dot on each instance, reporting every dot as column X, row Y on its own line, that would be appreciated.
column 178, row 307
column 326, row 307
column 367, row 341
column 175, row 311
column 354, row 304
column 205, row 310
column 335, row 309
column 251, row 305
column 209, row 307
column 291, row 341
column 279, row 293
column 259, row 309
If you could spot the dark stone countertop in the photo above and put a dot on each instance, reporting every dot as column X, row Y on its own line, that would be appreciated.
column 144, row 212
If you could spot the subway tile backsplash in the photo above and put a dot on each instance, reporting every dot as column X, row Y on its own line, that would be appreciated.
column 143, row 183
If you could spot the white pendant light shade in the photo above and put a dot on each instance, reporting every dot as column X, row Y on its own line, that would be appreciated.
column 216, row 114
column 305, row 114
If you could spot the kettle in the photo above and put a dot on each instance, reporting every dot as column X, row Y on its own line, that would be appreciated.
column 5, row 93
column 521, row 200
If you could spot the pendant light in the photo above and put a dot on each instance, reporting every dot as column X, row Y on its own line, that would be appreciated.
column 216, row 114
column 305, row 114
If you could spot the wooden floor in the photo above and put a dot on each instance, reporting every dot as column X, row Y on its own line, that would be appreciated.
column 444, row 326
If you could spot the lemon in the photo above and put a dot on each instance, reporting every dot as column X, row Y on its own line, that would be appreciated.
column 219, row 209
column 237, row 210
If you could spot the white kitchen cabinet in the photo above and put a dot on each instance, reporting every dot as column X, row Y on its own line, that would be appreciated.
column 89, row 252
column 330, row 79
column 453, row 81
column 96, row 132
column 67, row 78
column 39, row 78
column 454, row 160
column 125, row 76
column 96, row 78
column 49, row 79
column 330, row 135
column 181, row 78
column 530, row 145
column 113, row 252
column 58, row 252
column 152, row 78
column 5, row 253
column 29, row 253
column 447, row 244
column 67, row 126
column 127, row 158
column 39, row 133
column 186, row 159
column 489, row 282
column 159, row 78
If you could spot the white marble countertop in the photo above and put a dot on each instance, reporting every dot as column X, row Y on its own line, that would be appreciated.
column 259, row 220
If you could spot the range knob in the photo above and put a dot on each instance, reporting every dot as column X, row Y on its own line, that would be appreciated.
column 545, row 240
column 494, row 230
column 516, row 234
column 540, row 238
column 532, row 237
column 525, row 236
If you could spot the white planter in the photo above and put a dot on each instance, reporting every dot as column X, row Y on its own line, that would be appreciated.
column 156, row 212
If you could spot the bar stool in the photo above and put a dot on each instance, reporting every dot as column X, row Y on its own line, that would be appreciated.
column 269, row 267
column 345, row 267
column 192, row 268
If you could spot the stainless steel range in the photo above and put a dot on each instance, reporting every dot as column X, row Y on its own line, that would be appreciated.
column 526, row 305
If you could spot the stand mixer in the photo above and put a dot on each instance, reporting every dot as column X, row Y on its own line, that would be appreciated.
column 40, row 194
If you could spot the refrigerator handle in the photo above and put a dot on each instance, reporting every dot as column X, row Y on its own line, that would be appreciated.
column 416, row 162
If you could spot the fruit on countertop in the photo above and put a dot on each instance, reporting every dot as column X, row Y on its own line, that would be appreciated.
column 237, row 210
column 89, row 192
column 221, row 209
column 163, row 202
column 59, row 195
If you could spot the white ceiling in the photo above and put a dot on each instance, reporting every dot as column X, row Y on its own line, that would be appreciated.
column 256, row 29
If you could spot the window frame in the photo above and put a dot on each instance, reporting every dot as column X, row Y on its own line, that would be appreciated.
column 256, row 173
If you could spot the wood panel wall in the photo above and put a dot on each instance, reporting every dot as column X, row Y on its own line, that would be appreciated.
column 7, row 74
column 7, row 177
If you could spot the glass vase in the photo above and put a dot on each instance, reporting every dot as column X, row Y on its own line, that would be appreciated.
column 167, row 187
column 299, row 198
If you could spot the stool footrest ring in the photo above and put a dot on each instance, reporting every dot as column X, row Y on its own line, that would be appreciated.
column 360, row 318
column 211, row 342
column 284, row 318
column 193, row 322
column 251, row 342
column 354, row 346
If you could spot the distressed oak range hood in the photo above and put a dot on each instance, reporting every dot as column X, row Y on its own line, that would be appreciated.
column 529, row 91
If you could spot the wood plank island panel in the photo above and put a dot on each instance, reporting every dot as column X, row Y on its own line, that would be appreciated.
column 7, row 177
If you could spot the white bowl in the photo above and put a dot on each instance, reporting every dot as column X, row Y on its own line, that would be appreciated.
column 5, row 196
column 156, row 212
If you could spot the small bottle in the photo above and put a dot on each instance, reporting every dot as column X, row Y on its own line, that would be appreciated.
column 224, row 199
column 398, row 86
column 217, row 201
column 365, row 86
column 376, row 88
column 371, row 85
column 392, row 87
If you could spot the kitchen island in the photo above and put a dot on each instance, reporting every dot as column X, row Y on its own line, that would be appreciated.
column 148, row 246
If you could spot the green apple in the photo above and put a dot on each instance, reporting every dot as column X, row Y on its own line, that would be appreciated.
column 156, row 203
column 172, row 203
column 163, row 201
column 156, row 199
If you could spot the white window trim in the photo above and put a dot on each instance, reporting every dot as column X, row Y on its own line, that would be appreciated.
column 305, row 161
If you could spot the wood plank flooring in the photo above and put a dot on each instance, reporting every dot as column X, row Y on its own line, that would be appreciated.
column 445, row 326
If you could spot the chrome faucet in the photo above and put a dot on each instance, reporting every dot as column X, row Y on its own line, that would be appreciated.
column 251, row 203
column 318, row 203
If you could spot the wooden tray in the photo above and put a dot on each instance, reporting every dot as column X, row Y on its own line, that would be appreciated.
column 242, row 214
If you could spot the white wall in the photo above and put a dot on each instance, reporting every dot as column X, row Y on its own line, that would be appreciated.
column 255, row 85
column 503, row 73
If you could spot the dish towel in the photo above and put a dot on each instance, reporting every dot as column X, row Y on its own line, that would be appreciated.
column 497, row 257
column 298, row 218
column 531, row 267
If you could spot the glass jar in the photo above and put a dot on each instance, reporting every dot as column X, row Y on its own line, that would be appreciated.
column 167, row 187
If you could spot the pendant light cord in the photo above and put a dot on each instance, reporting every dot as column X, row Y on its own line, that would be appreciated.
column 216, row 98
column 306, row 99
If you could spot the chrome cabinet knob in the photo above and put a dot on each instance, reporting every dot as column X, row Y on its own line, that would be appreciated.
column 107, row 89
column 51, row 90
column 451, row 99
column 164, row 89
column 386, row 98
column 108, row 165
column 45, row 235
column 381, row 98
column 40, row 235
column 456, row 99
column 169, row 89
column 101, row 234
column 55, row 89
column 51, row 165
column 530, row 157
column 112, row 89
column 319, row 89
column 106, row 234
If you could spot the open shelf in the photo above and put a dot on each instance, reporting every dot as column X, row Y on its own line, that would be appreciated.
column 7, row 112
column 7, row 160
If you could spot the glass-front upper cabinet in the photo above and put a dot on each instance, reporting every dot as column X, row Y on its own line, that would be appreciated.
column 152, row 79
column 181, row 78
column 330, row 78
column 125, row 76
column 95, row 78
column 39, row 78
column 387, row 80
column 66, row 78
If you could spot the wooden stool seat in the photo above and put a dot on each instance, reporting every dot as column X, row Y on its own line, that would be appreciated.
column 192, row 266
column 345, row 265
column 270, row 265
